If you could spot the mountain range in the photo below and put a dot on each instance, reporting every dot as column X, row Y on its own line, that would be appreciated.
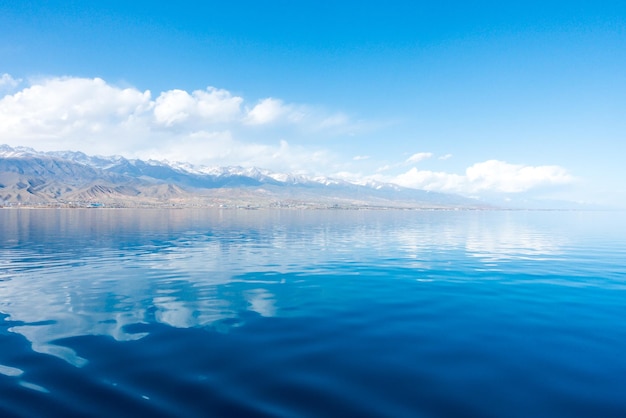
column 68, row 178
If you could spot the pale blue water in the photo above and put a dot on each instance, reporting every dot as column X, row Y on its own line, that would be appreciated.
column 312, row 313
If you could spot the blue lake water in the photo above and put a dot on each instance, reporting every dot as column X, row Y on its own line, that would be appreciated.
column 312, row 313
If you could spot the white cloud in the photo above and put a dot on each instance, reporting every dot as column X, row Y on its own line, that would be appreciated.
column 361, row 157
column 431, row 180
column 336, row 120
column 69, row 112
column 306, row 119
column 8, row 83
column 205, row 106
column 488, row 176
column 210, row 126
column 514, row 178
column 445, row 157
column 272, row 110
column 266, row 111
column 203, row 147
column 420, row 156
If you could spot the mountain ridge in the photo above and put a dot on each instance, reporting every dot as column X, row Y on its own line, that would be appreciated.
column 72, row 178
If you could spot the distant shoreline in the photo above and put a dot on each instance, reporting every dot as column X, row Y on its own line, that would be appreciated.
column 294, row 208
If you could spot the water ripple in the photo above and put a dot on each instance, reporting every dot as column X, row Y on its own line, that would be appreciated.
column 195, row 313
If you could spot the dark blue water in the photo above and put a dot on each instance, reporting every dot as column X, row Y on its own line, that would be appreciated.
column 312, row 313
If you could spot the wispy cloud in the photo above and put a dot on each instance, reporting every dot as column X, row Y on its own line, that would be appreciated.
column 413, row 159
column 8, row 83
column 420, row 156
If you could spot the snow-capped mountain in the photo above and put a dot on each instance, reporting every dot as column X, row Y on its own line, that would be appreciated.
column 28, row 176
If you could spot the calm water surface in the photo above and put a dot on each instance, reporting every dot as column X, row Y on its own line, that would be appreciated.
column 312, row 313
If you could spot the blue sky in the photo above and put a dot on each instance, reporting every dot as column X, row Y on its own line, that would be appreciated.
column 482, row 98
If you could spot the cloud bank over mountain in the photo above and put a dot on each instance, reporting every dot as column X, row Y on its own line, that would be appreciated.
column 214, row 126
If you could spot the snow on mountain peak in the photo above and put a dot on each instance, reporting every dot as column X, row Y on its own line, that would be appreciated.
column 258, row 174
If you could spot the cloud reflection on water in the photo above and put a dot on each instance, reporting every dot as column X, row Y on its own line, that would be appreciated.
column 96, row 272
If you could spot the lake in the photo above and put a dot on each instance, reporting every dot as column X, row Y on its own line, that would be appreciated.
column 287, row 313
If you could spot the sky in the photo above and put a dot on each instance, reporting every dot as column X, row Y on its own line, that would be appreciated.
column 490, row 99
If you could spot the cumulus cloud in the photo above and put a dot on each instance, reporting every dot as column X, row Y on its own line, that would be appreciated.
column 514, row 178
column 68, row 111
column 445, row 157
column 420, row 156
column 209, row 126
column 205, row 106
column 272, row 110
column 487, row 176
